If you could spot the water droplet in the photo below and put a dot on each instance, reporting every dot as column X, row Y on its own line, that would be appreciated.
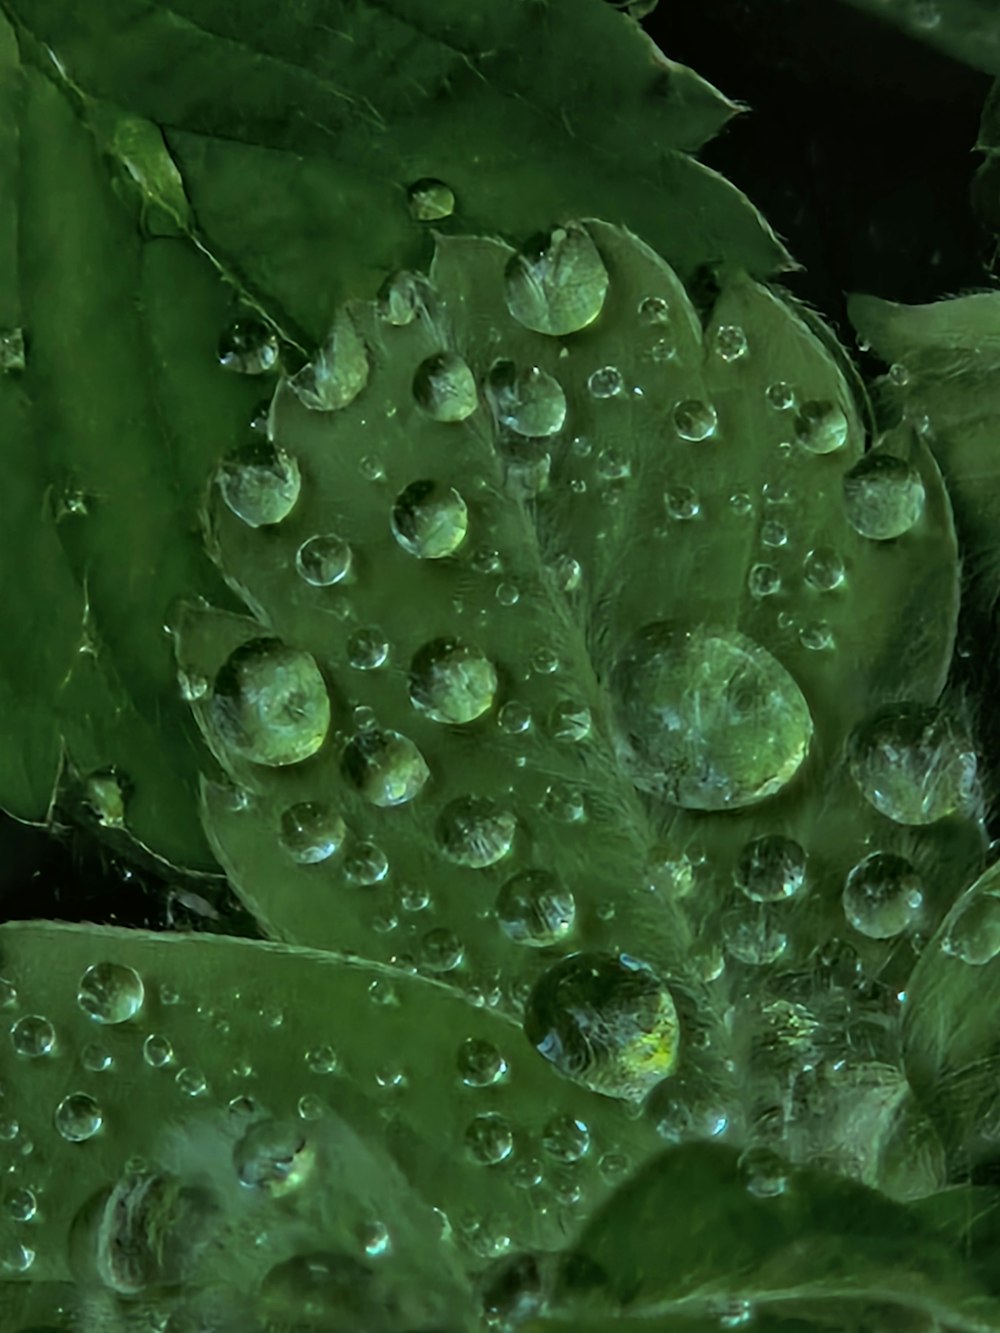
column 20, row 1205
column 821, row 427
column 771, row 868
column 11, row 350
column 8, row 994
column 480, row 1063
column 95, row 1057
column 664, row 349
column 310, row 1107
column 730, row 342
column 375, row 1239
column 270, row 703
column 508, row 594
column 192, row 685
column 248, row 347
column 514, row 718
column 338, row 372
column 763, row 580
column 157, row 1051
column 565, row 1138
column 383, row 992
column 402, row 297
column 973, row 933
column 568, row 573
column 441, row 950
column 565, row 802
column 489, row 1139
column 474, row 831
column 273, row 1155
column 260, row 483
column 607, row 382
column 570, row 720
column 366, row 864
column 191, row 1082
column 366, row 649
column 753, row 935
column 533, row 908
column 110, row 992
column 429, row 520
column 529, row 402
column 774, row 534
column 311, row 831
column 653, row 311
column 323, row 560
column 78, row 1117
column 430, row 200
column 33, row 1036
column 883, row 496
column 695, row 420
column 709, row 719
column 816, row 635
column 741, row 503
column 607, row 1022
column 385, row 767
column 883, row 895
column 898, row 375
column 15, row 1257
column 912, row 763
column 780, row 395
column 823, row 569
column 558, row 282
column 445, row 387
column 451, row 681
column 682, row 502
column 735, row 1312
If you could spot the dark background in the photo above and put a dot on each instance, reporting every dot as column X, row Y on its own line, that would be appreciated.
column 859, row 150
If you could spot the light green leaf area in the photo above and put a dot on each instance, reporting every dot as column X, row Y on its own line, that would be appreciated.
column 966, row 30
column 310, row 208
column 951, row 1049
column 685, row 1237
column 947, row 354
column 36, row 1307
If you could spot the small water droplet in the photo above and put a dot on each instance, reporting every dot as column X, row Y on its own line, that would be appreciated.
column 311, row 831
column 323, row 560
column 430, row 200
column 475, row 831
column 823, row 568
column 528, row 401
column 402, row 297
column 533, row 908
column 441, row 950
column 78, row 1117
column 682, row 502
column 508, row 594
column 566, row 1138
column 452, row 682
column 14, row 1257
column 11, row 350
column 816, row 635
column 607, row 382
column 771, row 868
column 367, row 649
column 653, row 311
column 821, row 427
column 570, row 720
column 773, row 533
column 385, row 767
column 489, row 1139
column 763, row 580
column 366, row 864
column 20, row 1205
column 695, row 420
column 883, row 895
column 248, row 347
column 191, row 1082
column 8, row 994
column 157, row 1051
column 514, row 718
column 445, row 388
column 95, row 1057
column 753, row 935
column 883, row 496
column 480, row 1063
column 33, row 1036
column 780, row 395
column 730, row 342
column 273, row 1156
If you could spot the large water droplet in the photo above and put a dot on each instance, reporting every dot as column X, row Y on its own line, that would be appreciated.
column 883, row 496
column 385, row 767
column 709, row 719
column 248, row 347
column 529, row 401
column 558, row 282
column 260, row 483
column 533, row 908
column 695, row 420
column 78, row 1117
column 973, row 933
column 489, row 1139
column 110, row 992
column 607, row 1022
column 311, row 831
column 429, row 520
column 33, row 1036
column 883, row 895
column 771, row 868
column 430, row 200
column 475, row 831
column 821, row 427
column 445, row 387
column 452, row 681
column 323, row 560
column 270, row 703
column 913, row 764
column 339, row 370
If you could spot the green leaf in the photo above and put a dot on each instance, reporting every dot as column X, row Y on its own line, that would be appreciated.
column 685, row 1236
